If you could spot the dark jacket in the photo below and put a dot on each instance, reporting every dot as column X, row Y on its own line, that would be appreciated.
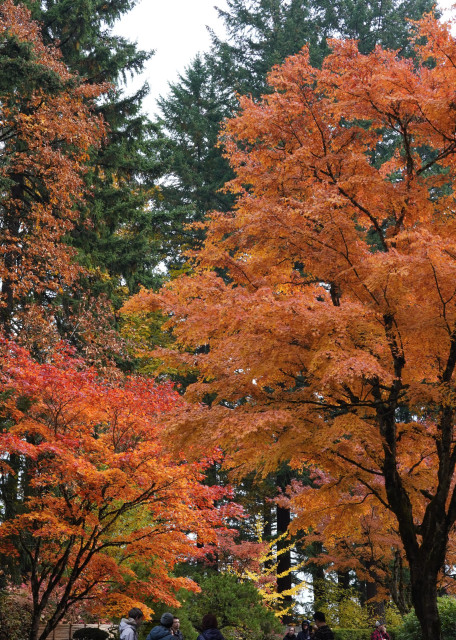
column 160, row 633
column 210, row 634
column 304, row 635
column 323, row 633
column 178, row 634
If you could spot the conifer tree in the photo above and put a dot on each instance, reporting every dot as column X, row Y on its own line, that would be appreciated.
column 115, row 240
column 187, row 150
column 262, row 34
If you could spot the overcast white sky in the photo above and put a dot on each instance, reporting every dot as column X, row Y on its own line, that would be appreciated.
column 176, row 29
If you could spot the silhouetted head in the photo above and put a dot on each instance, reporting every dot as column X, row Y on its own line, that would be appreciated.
column 209, row 621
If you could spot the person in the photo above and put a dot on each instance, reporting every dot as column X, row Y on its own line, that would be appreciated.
column 163, row 630
column 290, row 634
column 305, row 633
column 379, row 633
column 128, row 627
column 209, row 628
column 323, row 632
column 175, row 629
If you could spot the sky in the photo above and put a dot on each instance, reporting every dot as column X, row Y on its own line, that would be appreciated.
column 176, row 30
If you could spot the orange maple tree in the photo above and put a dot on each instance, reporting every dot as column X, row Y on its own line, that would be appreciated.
column 47, row 128
column 108, row 510
column 326, row 300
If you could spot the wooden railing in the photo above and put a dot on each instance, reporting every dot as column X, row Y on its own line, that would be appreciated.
column 65, row 631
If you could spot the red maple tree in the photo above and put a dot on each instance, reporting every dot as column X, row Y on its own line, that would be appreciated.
column 107, row 509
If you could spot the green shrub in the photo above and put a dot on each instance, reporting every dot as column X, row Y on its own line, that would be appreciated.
column 359, row 634
column 237, row 605
column 411, row 630
column 90, row 633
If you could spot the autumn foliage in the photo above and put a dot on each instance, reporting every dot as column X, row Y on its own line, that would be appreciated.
column 47, row 130
column 326, row 300
column 107, row 510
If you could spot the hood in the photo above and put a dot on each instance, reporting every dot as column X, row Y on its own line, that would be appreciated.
column 160, row 632
column 127, row 622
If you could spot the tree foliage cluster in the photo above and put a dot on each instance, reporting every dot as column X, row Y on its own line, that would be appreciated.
column 295, row 327
column 326, row 301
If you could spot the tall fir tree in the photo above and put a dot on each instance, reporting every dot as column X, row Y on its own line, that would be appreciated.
column 115, row 239
column 195, row 170
column 260, row 34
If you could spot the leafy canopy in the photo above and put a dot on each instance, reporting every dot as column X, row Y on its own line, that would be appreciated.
column 107, row 509
column 325, row 301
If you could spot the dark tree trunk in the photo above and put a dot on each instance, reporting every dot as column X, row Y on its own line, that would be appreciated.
column 399, row 585
column 424, row 597
column 284, row 577
column 318, row 579
column 284, row 582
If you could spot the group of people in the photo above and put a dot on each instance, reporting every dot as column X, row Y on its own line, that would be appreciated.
column 321, row 631
column 168, row 629
column 318, row 631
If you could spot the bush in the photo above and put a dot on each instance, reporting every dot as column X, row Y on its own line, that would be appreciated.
column 237, row 605
column 352, row 634
column 411, row 630
column 90, row 633
column 15, row 615
column 359, row 634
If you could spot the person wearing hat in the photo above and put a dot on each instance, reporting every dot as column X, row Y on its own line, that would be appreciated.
column 163, row 630
column 379, row 633
column 128, row 627
column 305, row 633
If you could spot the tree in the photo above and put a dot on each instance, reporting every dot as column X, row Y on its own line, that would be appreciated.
column 262, row 34
column 259, row 34
column 187, row 150
column 115, row 236
column 47, row 131
column 107, row 510
column 236, row 605
column 325, row 299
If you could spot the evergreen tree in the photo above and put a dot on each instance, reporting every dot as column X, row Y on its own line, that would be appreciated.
column 261, row 34
column 115, row 238
column 195, row 170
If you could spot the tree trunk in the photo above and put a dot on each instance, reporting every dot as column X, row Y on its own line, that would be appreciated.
column 284, row 581
column 318, row 580
column 34, row 628
column 424, row 597
column 399, row 585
